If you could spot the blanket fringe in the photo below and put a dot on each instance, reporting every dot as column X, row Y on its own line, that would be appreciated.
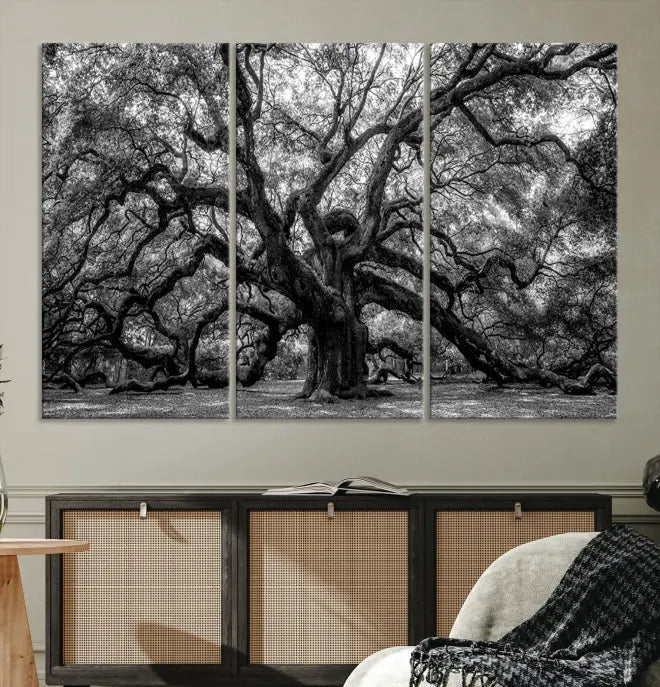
column 438, row 676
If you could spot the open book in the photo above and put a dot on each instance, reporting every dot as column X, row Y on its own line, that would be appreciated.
column 349, row 485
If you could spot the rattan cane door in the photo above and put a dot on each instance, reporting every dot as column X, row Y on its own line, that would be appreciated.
column 149, row 590
column 468, row 541
column 326, row 590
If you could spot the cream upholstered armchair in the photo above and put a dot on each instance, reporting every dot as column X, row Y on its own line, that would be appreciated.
column 511, row 590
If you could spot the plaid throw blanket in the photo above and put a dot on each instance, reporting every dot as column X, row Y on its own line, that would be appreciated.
column 599, row 628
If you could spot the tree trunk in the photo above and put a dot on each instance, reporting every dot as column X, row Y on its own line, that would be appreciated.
column 337, row 351
column 148, row 387
column 382, row 373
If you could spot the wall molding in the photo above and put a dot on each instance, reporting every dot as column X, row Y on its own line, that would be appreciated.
column 637, row 519
column 26, row 501
column 25, row 518
column 625, row 489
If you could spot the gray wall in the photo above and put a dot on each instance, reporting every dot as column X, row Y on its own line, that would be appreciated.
column 42, row 457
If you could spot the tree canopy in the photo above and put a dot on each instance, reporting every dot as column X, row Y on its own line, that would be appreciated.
column 329, row 204
column 523, row 183
column 135, row 247
column 330, row 155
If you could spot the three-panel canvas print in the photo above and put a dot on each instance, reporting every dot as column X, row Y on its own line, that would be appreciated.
column 342, row 227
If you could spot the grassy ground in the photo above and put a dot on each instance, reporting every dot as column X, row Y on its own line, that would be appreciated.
column 274, row 399
column 469, row 400
column 97, row 403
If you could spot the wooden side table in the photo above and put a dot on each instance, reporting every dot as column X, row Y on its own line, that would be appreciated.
column 17, row 667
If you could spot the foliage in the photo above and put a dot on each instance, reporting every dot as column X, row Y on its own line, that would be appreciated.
column 313, row 121
column 290, row 361
column 523, row 185
column 134, row 240
column 524, row 205
column 329, row 212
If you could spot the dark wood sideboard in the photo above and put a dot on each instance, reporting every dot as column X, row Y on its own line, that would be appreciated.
column 242, row 589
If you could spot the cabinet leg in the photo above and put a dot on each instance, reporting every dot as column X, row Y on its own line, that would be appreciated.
column 17, row 667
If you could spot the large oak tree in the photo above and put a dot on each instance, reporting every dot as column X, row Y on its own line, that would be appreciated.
column 523, row 220
column 329, row 208
column 330, row 202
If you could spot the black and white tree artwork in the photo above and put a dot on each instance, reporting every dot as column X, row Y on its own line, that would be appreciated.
column 330, row 230
column 523, row 230
column 135, row 243
column 330, row 234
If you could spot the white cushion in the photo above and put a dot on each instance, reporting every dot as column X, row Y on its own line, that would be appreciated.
column 388, row 668
column 516, row 585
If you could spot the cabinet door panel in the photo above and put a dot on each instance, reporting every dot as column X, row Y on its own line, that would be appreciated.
column 149, row 590
column 326, row 590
